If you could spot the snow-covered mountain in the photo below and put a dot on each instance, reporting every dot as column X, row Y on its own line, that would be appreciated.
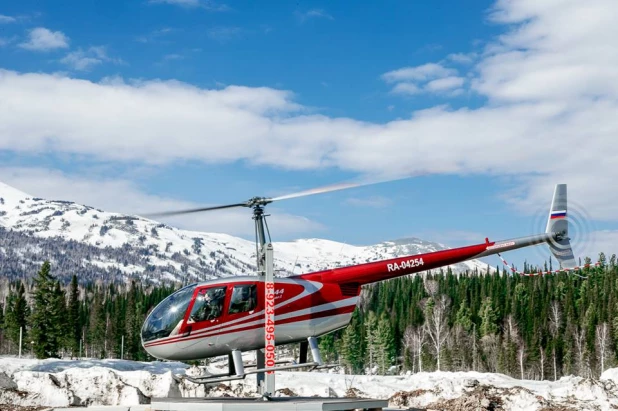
column 94, row 243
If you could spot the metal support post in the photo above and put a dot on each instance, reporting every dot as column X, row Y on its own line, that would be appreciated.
column 237, row 362
column 21, row 333
column 258, row 216
column 315, row 350
column 269, row 320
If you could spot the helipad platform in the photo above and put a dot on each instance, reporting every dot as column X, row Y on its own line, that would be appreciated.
column 277, row 403
column 244, row 404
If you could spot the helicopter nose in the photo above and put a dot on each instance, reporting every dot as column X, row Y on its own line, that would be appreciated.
column 166, row 318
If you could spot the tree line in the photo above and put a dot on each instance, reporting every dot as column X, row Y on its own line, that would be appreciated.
column 94, row 320
column 528, row 327
column 532, row 327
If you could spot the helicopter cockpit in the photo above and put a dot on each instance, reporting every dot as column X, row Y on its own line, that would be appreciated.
column 210, row 306
column 168, row 314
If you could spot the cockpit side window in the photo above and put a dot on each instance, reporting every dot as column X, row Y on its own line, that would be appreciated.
column 208, row 304
column 244, row 298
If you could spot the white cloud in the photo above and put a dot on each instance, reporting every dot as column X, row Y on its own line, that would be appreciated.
column 446, row 83
column 419, row 73
column 314, row 13
column 406, row 88
column 462, row 58
column 552, row 82
column 84, row 60
column 7, row 19
column 430, row 77
column 103, row 193
column 42, row 39
column 155, row 35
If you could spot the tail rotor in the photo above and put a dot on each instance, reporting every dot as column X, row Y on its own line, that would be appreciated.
column 558, row 227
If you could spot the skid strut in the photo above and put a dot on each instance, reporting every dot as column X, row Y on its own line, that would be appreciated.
column 238, row 371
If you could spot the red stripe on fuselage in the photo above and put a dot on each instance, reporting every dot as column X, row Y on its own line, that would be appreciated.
column 337, row 311
column 329, row 294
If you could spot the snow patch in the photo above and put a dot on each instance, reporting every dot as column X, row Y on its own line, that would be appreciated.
column 120, row 382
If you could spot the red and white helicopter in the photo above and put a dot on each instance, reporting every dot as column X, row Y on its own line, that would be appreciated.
column 231, row 315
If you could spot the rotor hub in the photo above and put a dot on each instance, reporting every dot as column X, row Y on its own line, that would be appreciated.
column 258, row 202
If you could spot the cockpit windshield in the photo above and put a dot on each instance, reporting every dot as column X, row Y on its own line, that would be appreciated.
column 168, row 315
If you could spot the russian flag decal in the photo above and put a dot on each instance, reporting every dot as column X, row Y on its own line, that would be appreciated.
column 558, row 214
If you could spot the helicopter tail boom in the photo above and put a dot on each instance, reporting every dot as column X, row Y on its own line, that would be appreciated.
column 556, row 236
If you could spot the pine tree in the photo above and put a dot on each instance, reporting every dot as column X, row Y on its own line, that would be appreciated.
column 327, row 347
column 58, row 316
column 464, row 317
column 352, row 345
column 45, row 319
column 74, row 326
column 97, row 325
column 132, row 324
column 371, row 339
column 385, row 343
column 1, row 324
column 488, row 318
column 16, row 317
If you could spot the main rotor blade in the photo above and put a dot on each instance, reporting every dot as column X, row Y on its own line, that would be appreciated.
column 327, row 189
column 194, row 210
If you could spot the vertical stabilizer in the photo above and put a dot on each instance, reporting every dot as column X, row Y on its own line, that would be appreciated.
column 558, row 227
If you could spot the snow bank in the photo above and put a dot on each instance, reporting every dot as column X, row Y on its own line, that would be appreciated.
column 61, row 383
column 92, row 382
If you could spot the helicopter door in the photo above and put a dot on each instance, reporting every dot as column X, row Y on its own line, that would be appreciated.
column 243, row 300
column 207, row 309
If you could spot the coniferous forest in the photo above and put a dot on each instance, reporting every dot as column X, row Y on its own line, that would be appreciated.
column 530, row 327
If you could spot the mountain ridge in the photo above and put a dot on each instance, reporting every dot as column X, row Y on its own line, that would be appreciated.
column 125, row 246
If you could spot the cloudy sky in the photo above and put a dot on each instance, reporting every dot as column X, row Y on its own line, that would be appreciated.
column 481, row 107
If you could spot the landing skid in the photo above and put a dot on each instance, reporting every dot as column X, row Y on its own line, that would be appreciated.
column 237, row 370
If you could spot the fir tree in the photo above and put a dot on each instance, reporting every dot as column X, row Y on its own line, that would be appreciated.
column 371, row 339
column 132, row 324
column 352, row 345
column 17, row 312
column 464, row 317
column 1, row 324
column 97, row 325
column 45, row 321
column 327, row 347
column 385, row 343
column 488, row 318
column 74, row 328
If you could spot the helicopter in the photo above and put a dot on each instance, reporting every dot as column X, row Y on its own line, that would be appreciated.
column 229, row 316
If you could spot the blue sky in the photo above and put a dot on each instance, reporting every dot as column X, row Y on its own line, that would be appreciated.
column 135, row 106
